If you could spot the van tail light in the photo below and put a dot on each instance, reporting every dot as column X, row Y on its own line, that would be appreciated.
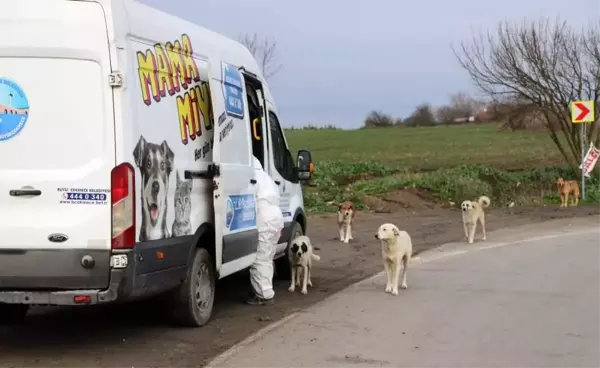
column 122, row 191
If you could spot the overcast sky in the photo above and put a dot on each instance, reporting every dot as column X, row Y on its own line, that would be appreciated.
column 343, row 58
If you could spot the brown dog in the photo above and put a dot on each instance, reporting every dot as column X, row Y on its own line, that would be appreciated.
column 566, row 187
column 345, row 219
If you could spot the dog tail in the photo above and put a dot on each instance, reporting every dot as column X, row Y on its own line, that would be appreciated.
column 315, row 257
column 484, row 201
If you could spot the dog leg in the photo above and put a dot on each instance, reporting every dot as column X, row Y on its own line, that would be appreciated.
column 304, row 279
column 388, row 273
column 293, row 285
column 404, row 270
column 350, row 231
column 346, row 233
column 309, row 283
column 395, row 276
column 341, row 228
column 472, row 232
column 575, row 199
column 299, row 274
column 566, row 199
column 482, row 220
column 466, row 227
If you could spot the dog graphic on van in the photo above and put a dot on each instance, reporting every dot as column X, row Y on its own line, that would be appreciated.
column 155, row 162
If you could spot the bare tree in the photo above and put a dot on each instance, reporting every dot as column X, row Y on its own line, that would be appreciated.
column 422, row 116
column 544, row 65
column 264, row 51
column 461, row 106
column 378, row 119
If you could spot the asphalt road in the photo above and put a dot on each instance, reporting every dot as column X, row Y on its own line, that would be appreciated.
column 527, row 297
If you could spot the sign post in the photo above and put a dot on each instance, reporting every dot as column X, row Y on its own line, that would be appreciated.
column 582, row 112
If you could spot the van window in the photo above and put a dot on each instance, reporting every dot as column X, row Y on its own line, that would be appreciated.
column 282, row 158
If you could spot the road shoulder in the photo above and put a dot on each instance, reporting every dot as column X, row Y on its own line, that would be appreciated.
column 284, row 329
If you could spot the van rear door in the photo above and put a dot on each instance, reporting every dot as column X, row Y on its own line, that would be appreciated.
column 56, row 143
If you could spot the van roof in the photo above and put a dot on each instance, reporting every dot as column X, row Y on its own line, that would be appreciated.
column 214, row 44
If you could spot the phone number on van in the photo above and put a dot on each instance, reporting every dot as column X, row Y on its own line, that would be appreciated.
column 85, row 196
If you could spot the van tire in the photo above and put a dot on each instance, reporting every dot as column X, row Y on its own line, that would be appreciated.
column 12, row 313
column 187, row 310
column 282, row 265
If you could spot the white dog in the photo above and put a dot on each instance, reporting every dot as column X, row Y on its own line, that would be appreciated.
column 471, row 213
column 301, row 257
column 396, row 249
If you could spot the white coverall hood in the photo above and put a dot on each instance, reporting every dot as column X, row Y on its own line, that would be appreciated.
column 269, row 225
column 266, row 189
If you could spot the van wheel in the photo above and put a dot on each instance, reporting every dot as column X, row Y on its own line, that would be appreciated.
column 12, row 313
column 195, row 297
column 282, row 265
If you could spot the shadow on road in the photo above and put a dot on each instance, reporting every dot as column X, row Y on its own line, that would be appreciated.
column 65, row 327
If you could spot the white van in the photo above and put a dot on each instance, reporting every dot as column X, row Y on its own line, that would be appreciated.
column 127, row 137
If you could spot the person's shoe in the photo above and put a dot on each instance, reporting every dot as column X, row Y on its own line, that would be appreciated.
column 256, row 300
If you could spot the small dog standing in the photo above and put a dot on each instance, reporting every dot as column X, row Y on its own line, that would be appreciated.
column 396, row 248
column 345, row 220
column 566, row 187
column 471, row 213
column 301, row 257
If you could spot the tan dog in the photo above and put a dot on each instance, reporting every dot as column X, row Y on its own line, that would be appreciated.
column 396, row 250
column 345, row 220
column 566, row 187
column 471, row 213
column 301, row 257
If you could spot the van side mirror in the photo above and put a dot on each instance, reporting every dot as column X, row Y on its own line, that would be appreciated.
column 306, row 167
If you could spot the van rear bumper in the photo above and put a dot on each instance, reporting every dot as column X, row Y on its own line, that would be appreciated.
column 124, row 284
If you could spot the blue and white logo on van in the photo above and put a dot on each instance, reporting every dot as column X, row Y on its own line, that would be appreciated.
column 229, row 213
column 14, row 109
column 233, row 90
column 241, row 212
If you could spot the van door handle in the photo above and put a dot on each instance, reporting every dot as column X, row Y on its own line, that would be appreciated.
column 252, row 181
column 25, row 192
column 277, row 182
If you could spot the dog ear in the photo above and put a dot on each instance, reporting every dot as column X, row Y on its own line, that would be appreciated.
column 304, row 248
column 177, row 180
column 168, row 154
column 138, row 151
column 395, row 231
column 340, row 207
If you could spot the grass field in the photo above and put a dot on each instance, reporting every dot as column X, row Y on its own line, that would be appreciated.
column 449, row 162
column 427, row 148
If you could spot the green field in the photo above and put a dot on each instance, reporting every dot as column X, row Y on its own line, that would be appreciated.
column 450, row 162
column 426, row 148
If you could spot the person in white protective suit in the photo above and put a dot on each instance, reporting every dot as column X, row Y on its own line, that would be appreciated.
column 269, row 224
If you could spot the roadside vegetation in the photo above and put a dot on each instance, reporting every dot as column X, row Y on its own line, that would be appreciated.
column 443, row 164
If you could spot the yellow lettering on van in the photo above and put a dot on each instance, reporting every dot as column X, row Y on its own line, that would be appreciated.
column 195, row 110
column 204, row 104
column 191, row 69
column 147, row 75
column 163, row 74
column 177, row 65
column 189, row 126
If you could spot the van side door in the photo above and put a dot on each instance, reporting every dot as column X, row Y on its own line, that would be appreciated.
column 236, row 234
column 281, row 165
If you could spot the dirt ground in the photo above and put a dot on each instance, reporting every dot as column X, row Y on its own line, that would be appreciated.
column 139, row 334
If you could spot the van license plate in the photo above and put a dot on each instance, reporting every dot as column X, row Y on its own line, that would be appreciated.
column 118, row 261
